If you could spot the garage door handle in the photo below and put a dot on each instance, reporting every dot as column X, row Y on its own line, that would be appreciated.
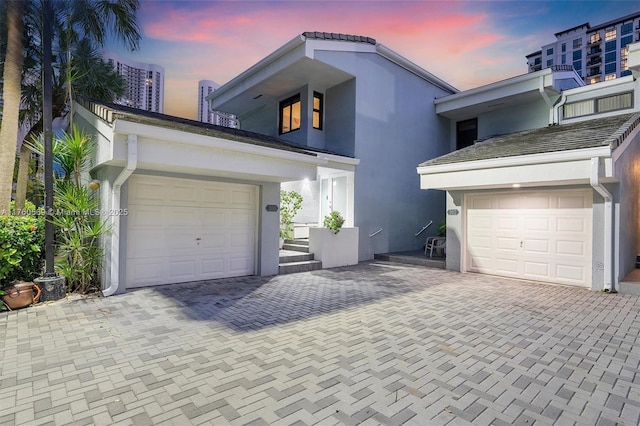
column 198, row 239
column 520, row 244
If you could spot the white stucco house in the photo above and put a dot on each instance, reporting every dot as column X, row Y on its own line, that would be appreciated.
column 340, row 118
column 544, row 181
column 189, row 201
column 354, row 97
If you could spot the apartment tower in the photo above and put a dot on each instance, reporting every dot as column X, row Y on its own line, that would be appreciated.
column 597, row 53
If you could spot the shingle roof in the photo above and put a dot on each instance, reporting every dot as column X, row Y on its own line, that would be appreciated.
column 609, row 131
column 110, row 112
column 338, row 36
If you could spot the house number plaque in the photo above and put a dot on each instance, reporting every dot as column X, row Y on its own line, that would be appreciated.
column 453, row 212
column 272, row 208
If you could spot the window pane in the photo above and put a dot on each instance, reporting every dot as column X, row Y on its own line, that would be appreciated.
column 295, row 116
column 316, row 103
column 286, row 119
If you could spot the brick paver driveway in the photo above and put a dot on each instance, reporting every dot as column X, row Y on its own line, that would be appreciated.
column 378, row 343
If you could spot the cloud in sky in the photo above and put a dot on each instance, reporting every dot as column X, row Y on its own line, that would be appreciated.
column 467, row 43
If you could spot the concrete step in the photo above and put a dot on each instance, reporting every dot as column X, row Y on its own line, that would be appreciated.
column 630, row 284
column 304, row 266
column 298, row 241
column 299, row 257
column 296, row 247
column 438, row 263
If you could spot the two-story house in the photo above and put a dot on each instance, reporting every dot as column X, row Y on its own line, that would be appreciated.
column 354, row 97
column 544, row 184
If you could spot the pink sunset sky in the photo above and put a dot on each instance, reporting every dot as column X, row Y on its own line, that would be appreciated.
column 466, row 43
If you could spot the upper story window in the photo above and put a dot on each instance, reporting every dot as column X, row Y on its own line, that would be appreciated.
column 290, row 114
column 594, row 38
column 610, row 34
column 549, row 62
column 626, row 28
column 564, row 47
column 577, row 43
column 550, row 51
column 466, row 133
column 317, row 110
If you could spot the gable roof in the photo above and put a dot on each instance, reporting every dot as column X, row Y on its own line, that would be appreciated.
column 110, row 112
column 600, row 132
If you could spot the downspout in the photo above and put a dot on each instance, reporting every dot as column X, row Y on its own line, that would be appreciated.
column 608, row 219
column 132, row 162
column 556, row 109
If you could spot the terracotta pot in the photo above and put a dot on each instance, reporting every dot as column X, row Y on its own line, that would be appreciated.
column 20, row 295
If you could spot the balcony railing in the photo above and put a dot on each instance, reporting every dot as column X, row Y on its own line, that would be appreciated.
column 593, row 52
column 594, row 62
column 594, row 72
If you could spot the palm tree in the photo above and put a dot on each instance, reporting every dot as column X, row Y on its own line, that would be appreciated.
column 12, row 76
column 73, row 21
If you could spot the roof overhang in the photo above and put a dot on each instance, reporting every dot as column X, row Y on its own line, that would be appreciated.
column 296, row 64
column 547, row 169
column 510, row 93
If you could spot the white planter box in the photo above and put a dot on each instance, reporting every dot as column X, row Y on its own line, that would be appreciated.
column 334, row 250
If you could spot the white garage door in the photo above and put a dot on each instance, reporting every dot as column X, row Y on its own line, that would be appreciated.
column 536, row 236
column 181, row 230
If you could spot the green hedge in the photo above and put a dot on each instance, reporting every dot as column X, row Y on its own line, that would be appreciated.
column 21, row 248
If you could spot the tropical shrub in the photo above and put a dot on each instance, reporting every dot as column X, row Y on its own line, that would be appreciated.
column 21, row 248
column 76, row 216
column 290, row 204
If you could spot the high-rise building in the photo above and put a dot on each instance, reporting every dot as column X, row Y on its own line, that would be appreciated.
column 597, row 53
column 219, row 118
column 145, row 83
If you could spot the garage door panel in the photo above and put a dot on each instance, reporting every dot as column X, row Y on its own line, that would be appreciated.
column 506, row 266
column 544, row 236
column 185, row 230
column 507, row 223
column 570, row 224
column 574, row 273
column 537, row 270
column 536, row 246
column 575, row 248
column 539, row 224
column 506, row 243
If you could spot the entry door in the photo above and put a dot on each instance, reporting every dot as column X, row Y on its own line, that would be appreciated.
column 181, row 230
column 543, row 236
column 333, row 196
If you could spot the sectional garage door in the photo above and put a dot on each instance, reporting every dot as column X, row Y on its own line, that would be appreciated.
column 181, row 230
column 542, row 236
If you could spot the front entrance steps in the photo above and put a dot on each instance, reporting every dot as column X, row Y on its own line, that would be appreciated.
column 295, row 257
column 414, row 257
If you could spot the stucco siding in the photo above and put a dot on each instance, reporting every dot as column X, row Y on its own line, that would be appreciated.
column 395, row 126
column 531, row 116
column 628, row 173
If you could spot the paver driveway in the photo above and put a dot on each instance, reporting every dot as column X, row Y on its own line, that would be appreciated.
column 377, row 343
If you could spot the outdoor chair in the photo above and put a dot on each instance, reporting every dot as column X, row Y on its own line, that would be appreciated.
column 435, row 243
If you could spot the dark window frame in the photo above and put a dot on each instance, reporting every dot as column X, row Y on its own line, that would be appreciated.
column 289, row 102
column 468, row 138
column 319, row 111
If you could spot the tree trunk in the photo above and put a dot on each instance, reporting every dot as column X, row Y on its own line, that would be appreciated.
column 11, row 95
column 23, row 178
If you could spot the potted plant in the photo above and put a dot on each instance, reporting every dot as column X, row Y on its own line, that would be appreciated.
column 290, row 204
column 334, row 245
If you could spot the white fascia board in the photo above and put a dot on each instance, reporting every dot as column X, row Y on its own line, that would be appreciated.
column 185, row 139
column 101, row 126
column 255, row 73
column 509, row 87
column 609, row 86
column 520, row 160
column 333, row 158
column 532, row 175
